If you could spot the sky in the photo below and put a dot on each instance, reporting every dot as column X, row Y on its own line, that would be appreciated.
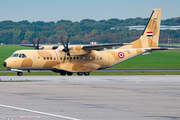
column 77, row 10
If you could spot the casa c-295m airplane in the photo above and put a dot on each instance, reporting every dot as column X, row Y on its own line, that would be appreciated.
column 68, row 59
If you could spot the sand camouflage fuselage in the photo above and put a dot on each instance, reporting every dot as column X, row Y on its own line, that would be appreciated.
column 50, row 59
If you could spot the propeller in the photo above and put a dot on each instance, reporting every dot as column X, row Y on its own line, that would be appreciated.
column 36, row 47
column 66, row 49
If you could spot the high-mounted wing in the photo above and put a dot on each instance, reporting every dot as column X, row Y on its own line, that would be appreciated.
column 27, row 45
column 101, row 46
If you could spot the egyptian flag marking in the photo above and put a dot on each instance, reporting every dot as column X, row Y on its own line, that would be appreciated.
column 149, row 34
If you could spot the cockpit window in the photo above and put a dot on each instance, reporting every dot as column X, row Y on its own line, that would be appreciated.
column 12, row 55
column 16, row 55
column 23, row 56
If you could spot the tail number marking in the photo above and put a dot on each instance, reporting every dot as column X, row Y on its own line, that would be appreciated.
column 121, row 55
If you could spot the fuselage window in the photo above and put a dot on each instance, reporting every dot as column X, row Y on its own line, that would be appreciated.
column 77, row 58
column 44, row 58
column 97, row 58
column 47, row 58
column 54, row 58
column 87, row 58
column 80, row 58
column 19, row 55
column 50, row 58
column 100, row 58
column 23, row 56
column 93, row 58
column 70, row 58
column 15, row 55
column 67, row 58
column 64, row 58
column 84, row 58
column 74, row 58
column 60, row 58
column 38, row 57
column 90, row 58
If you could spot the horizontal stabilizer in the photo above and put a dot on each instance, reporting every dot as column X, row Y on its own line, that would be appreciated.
column 161, row 48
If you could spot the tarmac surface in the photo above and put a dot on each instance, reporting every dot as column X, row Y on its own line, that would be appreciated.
column 146, row 97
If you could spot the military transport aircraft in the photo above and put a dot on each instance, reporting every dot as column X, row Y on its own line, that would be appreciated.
column 67, row 59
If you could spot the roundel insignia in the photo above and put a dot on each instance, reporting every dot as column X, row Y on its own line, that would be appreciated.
column 121, row 55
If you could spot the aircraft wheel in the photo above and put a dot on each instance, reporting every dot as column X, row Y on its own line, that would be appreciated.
column 69, row 73
column 63, row 73
column 79, row 73
column 19, row 73
column 86, row 73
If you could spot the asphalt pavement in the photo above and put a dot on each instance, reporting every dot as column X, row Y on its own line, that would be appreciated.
column 134, row 97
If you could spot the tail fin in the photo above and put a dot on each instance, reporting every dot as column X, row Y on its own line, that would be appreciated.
column 150, row 35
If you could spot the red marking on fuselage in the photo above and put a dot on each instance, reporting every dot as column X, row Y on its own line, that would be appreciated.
column 121, row 55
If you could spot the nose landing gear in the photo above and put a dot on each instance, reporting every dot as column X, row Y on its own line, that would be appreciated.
column 19, row 73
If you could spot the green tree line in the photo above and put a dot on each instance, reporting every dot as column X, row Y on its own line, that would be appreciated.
column 82, row 32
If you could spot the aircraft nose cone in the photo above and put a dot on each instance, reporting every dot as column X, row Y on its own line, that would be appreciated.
column 4, row 64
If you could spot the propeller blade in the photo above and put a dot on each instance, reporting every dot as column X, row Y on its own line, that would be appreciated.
column 61, row 40
column 38, row 43
column 65, row 49
column 67, row 42
column 32, row 40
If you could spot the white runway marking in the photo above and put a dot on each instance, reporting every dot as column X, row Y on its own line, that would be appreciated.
column 43, row 113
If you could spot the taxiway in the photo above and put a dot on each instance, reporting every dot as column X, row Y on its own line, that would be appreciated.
column 90, row 97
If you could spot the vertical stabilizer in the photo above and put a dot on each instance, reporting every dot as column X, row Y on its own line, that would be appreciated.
column 150, row 35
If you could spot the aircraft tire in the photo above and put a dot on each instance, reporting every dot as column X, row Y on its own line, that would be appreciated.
column 86, row 73
column 63, row 73
column 79, row 73
column 69, row 73
column 19, row 73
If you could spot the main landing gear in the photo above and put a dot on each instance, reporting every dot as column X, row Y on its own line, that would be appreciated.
column 63, row 73
column 81, row 73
